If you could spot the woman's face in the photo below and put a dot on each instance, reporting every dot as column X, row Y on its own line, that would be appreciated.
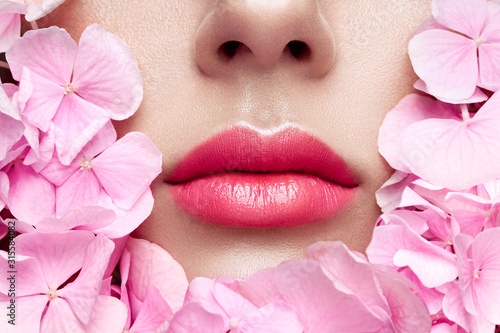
column 353, row 69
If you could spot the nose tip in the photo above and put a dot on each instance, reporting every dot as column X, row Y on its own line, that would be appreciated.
column 262, row 34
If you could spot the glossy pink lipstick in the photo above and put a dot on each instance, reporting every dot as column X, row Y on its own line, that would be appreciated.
column 242, row 178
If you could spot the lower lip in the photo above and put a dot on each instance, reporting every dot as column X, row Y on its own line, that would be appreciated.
column 261, row 200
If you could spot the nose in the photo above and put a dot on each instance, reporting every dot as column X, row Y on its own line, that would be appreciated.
column 263, row 34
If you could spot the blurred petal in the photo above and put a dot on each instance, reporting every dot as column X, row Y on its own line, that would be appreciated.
column 192, row 318
column 153, row 313
column 28, row 314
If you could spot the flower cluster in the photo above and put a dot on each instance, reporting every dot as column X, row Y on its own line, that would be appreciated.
column 71, row 192
column 441, row 221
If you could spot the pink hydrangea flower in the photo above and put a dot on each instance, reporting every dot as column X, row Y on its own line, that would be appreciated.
column 479, row 273
column 76, row 88
column 463, row 53
column 10, row 23
column 237, row 313
column 47, row 298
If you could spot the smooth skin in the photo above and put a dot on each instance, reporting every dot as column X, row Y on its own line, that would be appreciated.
column 354, row 69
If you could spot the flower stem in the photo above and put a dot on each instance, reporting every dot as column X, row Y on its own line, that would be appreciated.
column 4, row 64
column 465, row 113
column 34, row 26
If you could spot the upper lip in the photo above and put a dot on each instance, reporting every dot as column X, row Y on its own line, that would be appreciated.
column 243, row 149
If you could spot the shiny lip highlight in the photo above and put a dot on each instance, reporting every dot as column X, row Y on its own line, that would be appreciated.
column 243, row 177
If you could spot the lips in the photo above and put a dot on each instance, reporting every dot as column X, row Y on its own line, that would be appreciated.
column 243, row 178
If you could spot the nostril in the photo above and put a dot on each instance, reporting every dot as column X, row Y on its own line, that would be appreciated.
column 228, row 49
column 299, row 50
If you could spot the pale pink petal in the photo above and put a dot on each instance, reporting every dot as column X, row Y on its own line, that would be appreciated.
column 4, row 190
column 261, row 288
column 449, row 153
column 100, row 142
column 321, row 306
column 389, row 195
column 200, row 291
column 120, row 244
column 81, row 218
column 466, row 273
column 489, row 67
column 486, row 258
column 127, row 168
column 152, row 266
column 233, row 304
column 44, row 101
column 46, row 149
column 276, row 317
column 192, row 318
column 26, row 189
column 11, row 130
column 469, row 223
column 454, row 309
column 57, row 173
column 28, row 275
column 27, row 317
column 106, row 73
column 467, row 17
column 358, row 276
column 77, row 122
column 59, row 318
column 477, row 97
column 38, row 9
column 153, row 313
column 127, row 220
column 408, row 314
column 7, row 106
column 49, row 52
column 81, row 189
column 399, row 246
column 82, row 293
column 411, row 109
column 10, row 28
column 446, row 62
column 108, row 316
column 60, row 255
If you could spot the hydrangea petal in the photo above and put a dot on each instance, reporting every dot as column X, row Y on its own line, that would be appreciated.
column 59, row 318
column 10, row 28
column 127, row 168
column 276, row 317
column 81, row 218
column 77, row 122
column 108, row 316
column 26, row 188
column 60, row 255
column 45, row 99
column 127, row 220
column 106, row 73
column 192, row 318
column 448, row 153
column 49, row 52
column 399, row 246
column 82, row 293
column 153, row 313
column 152, row 266
column 28, row 314
column 477, row 97
column 446, row 62
column 464, row 16
column 411, row 109
column 489, row 67
column 37, row 9
column 81, row 189
column 29, row 279
column 486, row 258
